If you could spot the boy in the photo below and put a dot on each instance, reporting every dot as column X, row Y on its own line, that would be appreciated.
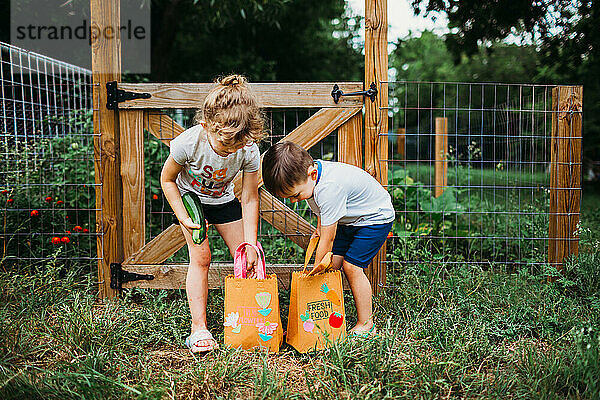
column 354, row 214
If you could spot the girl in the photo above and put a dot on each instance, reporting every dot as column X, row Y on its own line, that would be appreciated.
column 205, row 159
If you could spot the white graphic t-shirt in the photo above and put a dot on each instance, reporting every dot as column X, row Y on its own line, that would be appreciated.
column 204, row 171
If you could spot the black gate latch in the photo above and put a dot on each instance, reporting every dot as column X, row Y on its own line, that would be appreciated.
column 118, row 276
column 114, row 96
column 371, row 93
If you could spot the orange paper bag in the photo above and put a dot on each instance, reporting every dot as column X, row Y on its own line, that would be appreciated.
column 316, row 316
column 252, row 317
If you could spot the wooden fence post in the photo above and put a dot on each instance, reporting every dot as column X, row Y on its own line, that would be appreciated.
column 565, row 173
column 441, row 150
column 376, row 118
column 401, row 143
column 106, row 67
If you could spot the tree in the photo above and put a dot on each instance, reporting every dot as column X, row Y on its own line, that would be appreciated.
column 565, row 34
column 284, row 40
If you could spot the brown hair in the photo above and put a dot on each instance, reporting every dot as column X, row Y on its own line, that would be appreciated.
column 284, row 166
column 231, row 111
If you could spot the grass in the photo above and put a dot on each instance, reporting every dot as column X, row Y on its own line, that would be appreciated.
column 446, row 332
column 463, row 176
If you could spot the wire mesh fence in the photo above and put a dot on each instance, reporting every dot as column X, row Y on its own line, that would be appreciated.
column 46, row 159
column 469, row 174
column 279, row 248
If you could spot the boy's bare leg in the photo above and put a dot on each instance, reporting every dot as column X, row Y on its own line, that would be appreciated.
column 363, row 297
column 196, row 284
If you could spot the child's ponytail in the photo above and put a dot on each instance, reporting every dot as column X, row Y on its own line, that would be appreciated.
column 231, row 111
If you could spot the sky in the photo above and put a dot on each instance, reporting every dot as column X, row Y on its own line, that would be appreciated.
column 401, row 19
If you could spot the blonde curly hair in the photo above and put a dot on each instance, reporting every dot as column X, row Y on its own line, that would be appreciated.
column 231, row 111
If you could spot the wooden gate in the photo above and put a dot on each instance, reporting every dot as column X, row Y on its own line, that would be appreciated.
column 135, row 116
column 118, row 147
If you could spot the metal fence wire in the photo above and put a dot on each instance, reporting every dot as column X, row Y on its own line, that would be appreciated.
column 490, row 202
column 489, row 205
column 46, row 159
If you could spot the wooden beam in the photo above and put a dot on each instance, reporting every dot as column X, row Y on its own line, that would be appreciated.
column 159, row 249
column 106, row 67
column 132, row 177
column 270, row 95
column 162, row 127
column 376, row 118
column 441, row 151
column 401, row 143
column 565, row 173
column 350, row 137
column 173, row 276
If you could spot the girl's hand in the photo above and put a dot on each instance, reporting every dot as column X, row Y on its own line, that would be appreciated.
column 251, row 262
column 189, row 223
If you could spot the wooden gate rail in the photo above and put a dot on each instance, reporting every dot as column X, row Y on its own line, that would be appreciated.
column 173, row 276
column 270, row 95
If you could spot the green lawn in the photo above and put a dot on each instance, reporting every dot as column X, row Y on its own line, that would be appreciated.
column 460, row 175
column 446, row 332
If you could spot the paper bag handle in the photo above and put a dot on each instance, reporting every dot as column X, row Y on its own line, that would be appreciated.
column 312, row 245
column 239, row 261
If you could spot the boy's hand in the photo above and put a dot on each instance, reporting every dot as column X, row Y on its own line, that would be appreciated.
column 189, row 223
column 251, row 262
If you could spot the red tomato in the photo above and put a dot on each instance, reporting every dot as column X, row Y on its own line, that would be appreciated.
column 4, row 191
column 35, row 213
column 154, row 197
column 85, row 230
column 48, row 199
column 55, row 240
column 336, row 319
column 10, row 200
column 77, row 228
column 58, row 203
column 65, row 239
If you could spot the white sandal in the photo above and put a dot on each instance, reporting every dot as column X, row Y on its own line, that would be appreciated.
column 199, row 335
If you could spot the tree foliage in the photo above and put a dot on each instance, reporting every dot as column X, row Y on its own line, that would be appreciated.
column 564, row 32
column 283, row 40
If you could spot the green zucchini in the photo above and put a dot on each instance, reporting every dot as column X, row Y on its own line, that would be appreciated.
column 192, row 204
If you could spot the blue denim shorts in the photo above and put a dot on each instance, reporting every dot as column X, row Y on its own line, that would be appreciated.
column 360, row 244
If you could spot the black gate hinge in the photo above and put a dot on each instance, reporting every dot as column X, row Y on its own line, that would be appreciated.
column 371, row 93
column 114, row 96
column 118, row 276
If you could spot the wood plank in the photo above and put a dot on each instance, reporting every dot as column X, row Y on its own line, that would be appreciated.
column 401, row 143
column 106, row 67
column 565, row 173
column 269, row 95
column 376, row 119
column 132, row 177
column 162, row 127
column 441, row 150
column 159, row 249
column 350, row 139
column 172, row 276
